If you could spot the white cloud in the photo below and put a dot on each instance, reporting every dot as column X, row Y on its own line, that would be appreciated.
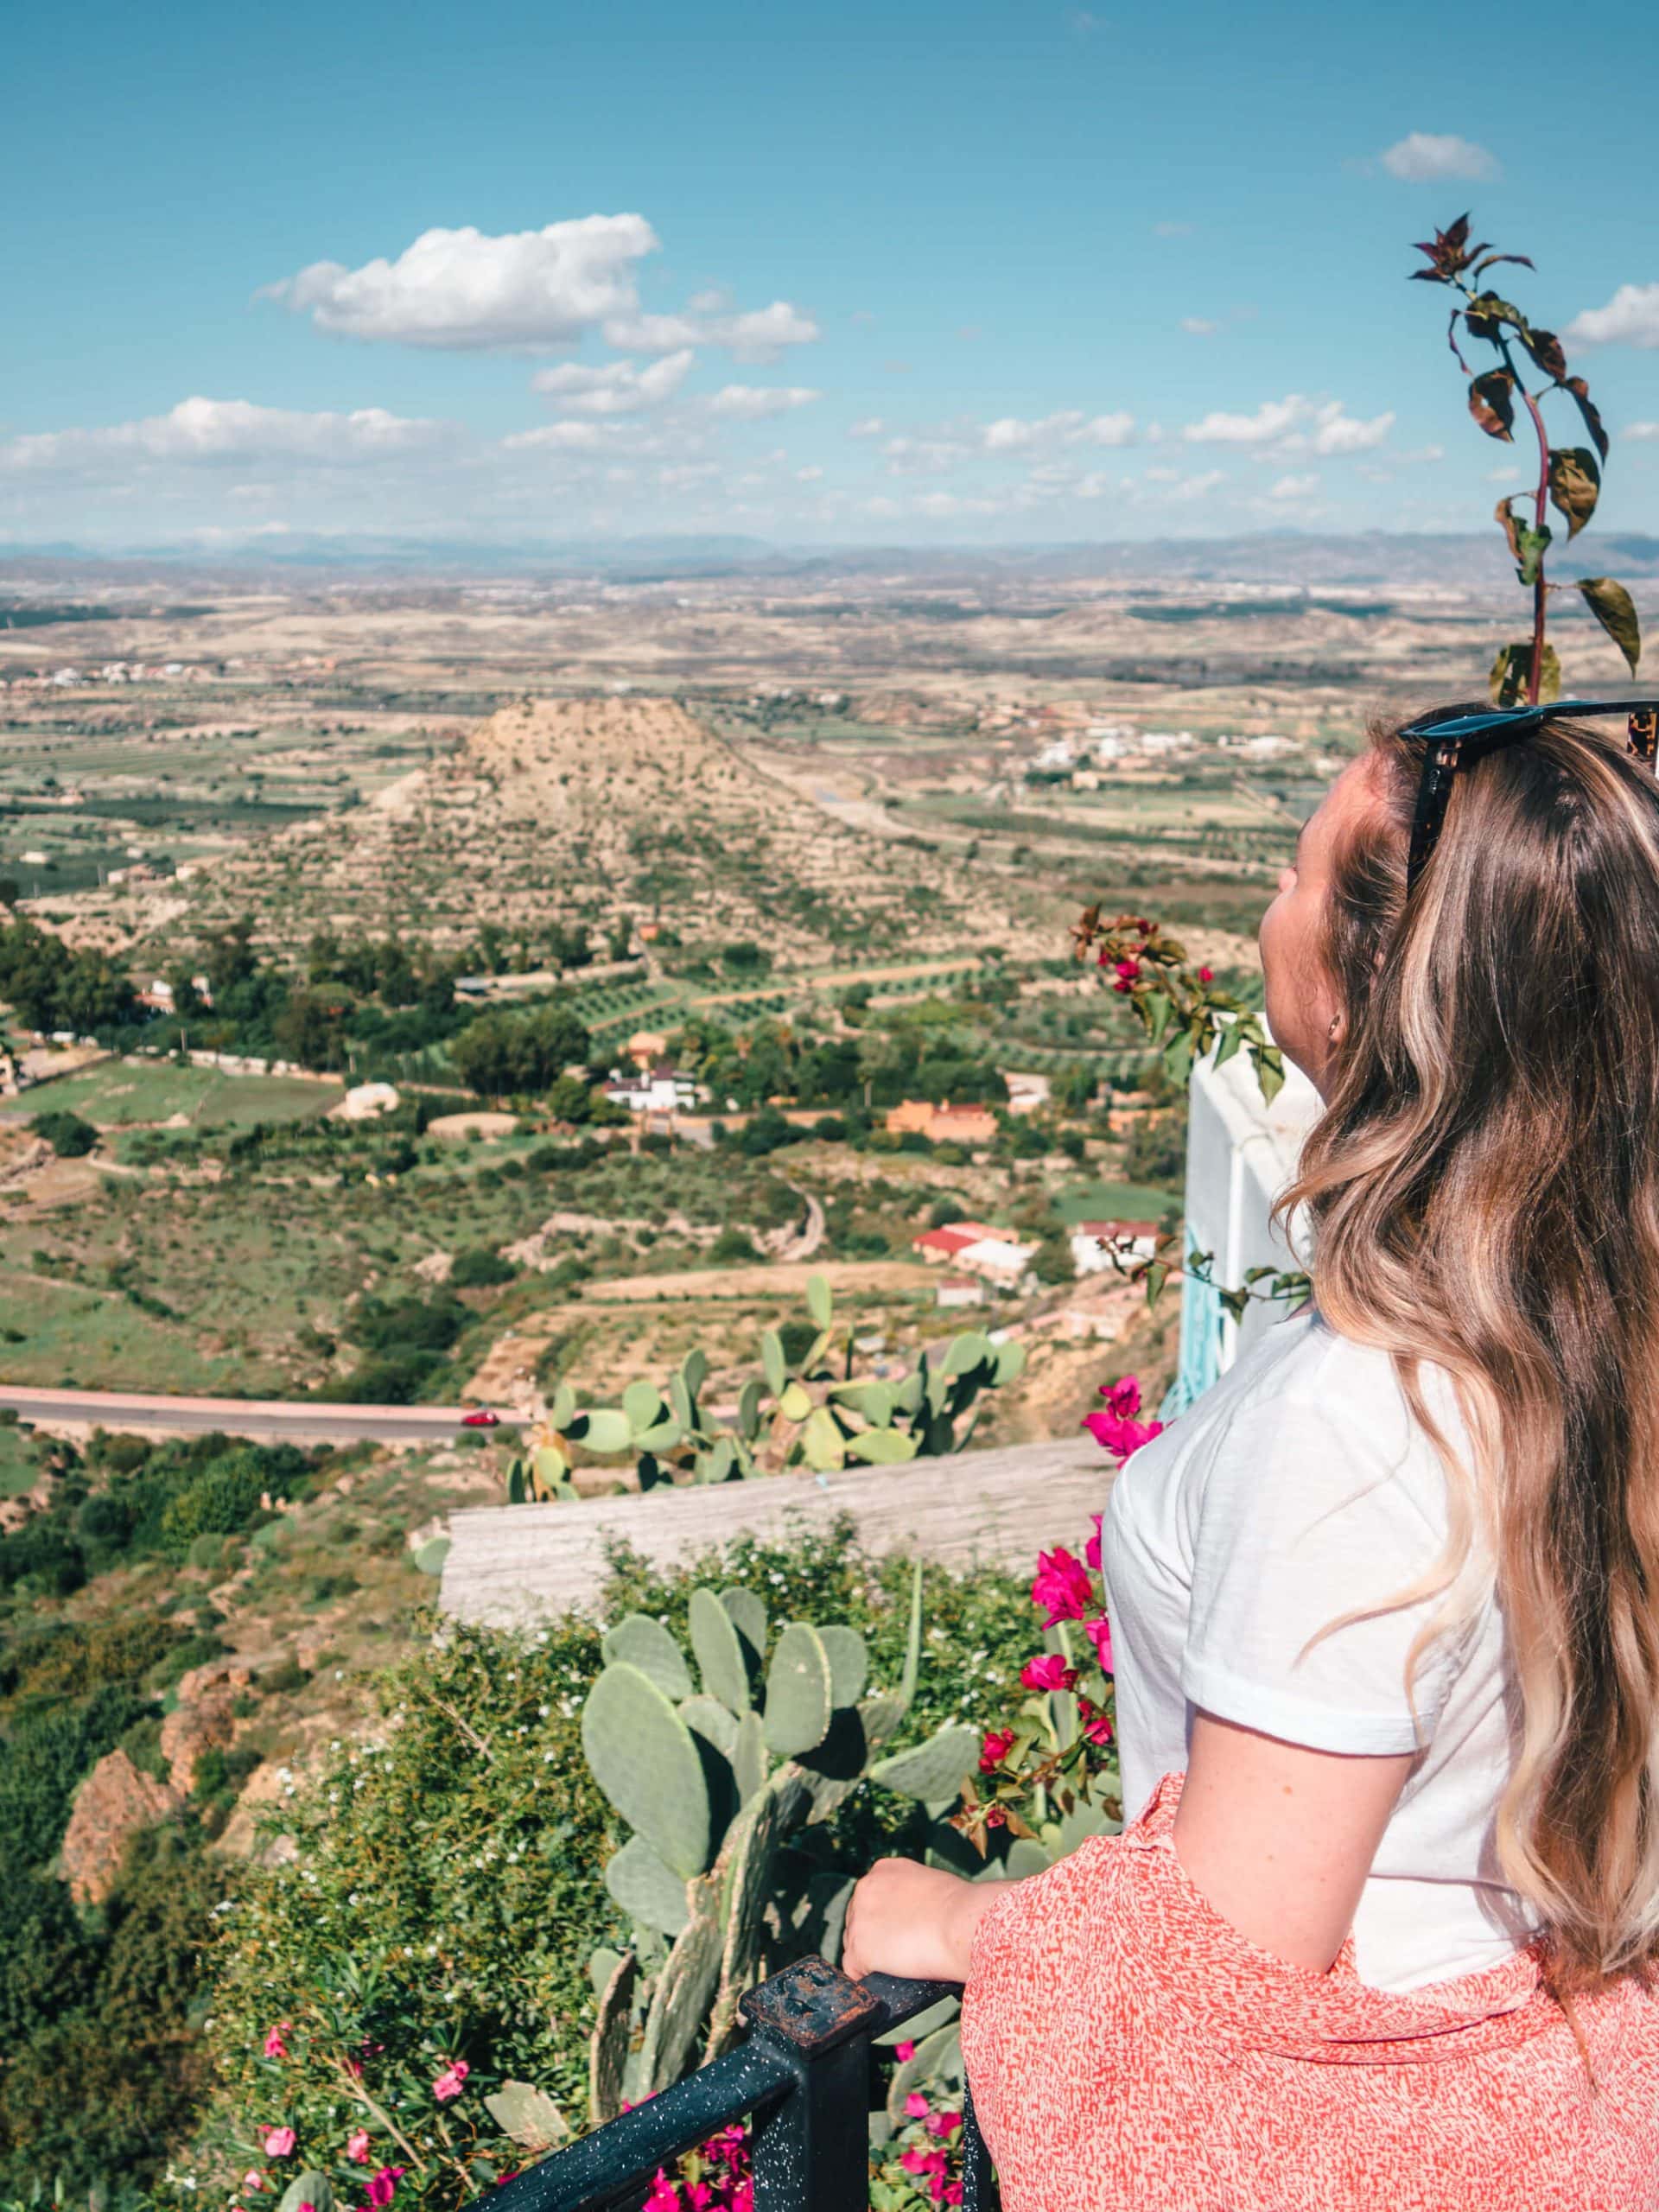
column 1293, row 424
column 571, row 436
column 1274, row 418
column 1196, row 326
column 923, row 456
column 1629, row 318
column 464, row 290
column 758, row 334
column 748, row 403
column 617, row 387
column 1640, row 430
column 1293, row 488
column 868, row 426
column 1425, row 158
column 808, row 475
column 217, row 430
column 1010, row 434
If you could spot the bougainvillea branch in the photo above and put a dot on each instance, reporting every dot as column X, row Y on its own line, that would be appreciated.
column 1570, row 476
column 1182, row 1008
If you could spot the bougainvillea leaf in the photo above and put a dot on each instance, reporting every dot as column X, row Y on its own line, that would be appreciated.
column 1574, row 485
column 1491, row 402
column 1615, row 610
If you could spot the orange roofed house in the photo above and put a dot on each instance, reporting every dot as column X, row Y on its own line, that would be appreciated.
column 945, row 1124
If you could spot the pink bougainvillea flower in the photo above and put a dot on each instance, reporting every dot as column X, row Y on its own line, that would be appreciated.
column 902, row 2051
column 944, row 2123
column 664, row 2197
column 252, row 2179
column 1048, row 1672
column 453, row 2080
column 699, row 2195
column 1116, row 1430
column 1126, row 975
column 916, row 2106
column 1062, row 1586
column 1091, row 1549
column 1096, row 1726
column 1099, row 1633
column 306, row 2205
column 995, row 1817
column 999, row 1742
column 913, row 2161
column 381, row 2187
column 1206, row 974
column 357, row 2147
column 275, row 2047
column 279, row 2142
column 952, row 2193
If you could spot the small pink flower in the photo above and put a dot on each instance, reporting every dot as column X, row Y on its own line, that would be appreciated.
column 253, row 2179
column 275, row 2047
column 1096, row 1726
column 1062, row 1586
column 357, row 2147
column 450, row 2083
column 1206, row 974
column 700, row 2195
column 902, row 2051
column 944, row 2123
column 999, row 1742
column 381, row 2187
column 664, row 2197
column 916, row 2106
column 1099, row 1633
column 306, row 2206
column 913, row 2161
column 1050, row 1672
column 953, row 2193
column 279, row 2142
column 995, row 1817
column 1116, row 1430
column 1126, row 975
column 1091, row 1549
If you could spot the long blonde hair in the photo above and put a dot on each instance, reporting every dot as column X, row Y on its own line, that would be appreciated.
column 1483, row 1189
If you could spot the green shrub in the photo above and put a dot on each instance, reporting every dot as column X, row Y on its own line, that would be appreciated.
column 480, row 1269
column 732, row 1245
column 68, row 1135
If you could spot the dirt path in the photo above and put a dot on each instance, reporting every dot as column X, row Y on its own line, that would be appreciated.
column 759, row 1281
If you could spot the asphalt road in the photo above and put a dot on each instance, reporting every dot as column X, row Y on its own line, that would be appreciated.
column 266, row 1421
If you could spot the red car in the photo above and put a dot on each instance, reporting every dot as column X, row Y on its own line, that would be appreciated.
column 483, row 1418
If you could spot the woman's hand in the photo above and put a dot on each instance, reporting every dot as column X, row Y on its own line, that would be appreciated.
column 914, row 1920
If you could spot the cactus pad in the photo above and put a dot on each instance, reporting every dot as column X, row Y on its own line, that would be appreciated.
column 749, row 1762
column 644, row 1759
column 749, row 1615
column 849, row 1664
column 708, row 1717
column 799, row 1699
column 933, row 1771
column 719, row 1649
column 647, row 1644
column 648, row 1890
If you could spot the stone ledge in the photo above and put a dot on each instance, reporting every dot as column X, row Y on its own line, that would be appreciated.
column 510, row 1566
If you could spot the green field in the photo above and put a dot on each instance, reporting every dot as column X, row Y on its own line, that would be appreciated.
column 121, row 1094
column 1113, row 1202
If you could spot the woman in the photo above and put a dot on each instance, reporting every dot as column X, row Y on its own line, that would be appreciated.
column 1385, row 1605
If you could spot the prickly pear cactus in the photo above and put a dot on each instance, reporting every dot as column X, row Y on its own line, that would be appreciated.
column 816, row 1415
column 713, row 1777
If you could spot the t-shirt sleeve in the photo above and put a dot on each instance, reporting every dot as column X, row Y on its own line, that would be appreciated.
column 1307, row 1517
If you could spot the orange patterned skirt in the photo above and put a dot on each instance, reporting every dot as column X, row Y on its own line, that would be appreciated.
column 1129, row 2050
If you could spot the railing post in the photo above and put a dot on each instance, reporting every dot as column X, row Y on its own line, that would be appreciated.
column 811, row 2153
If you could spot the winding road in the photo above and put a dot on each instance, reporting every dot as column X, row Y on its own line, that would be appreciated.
column 266, row 1421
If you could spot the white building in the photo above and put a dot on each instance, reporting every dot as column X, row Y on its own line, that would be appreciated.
column 1240, row 1152
column 652, row 1090
column 1094, row 1242
column 998, row 1260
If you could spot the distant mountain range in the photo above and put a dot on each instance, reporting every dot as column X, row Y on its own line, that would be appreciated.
column 1380, row 558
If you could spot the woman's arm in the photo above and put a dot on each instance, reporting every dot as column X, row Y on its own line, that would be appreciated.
column 1278, row 1839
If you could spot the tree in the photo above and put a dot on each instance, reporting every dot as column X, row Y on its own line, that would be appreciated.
column 503, row 1052
column 67, row 1134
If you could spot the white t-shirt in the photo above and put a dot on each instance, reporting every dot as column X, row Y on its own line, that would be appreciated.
column 1296, row 1491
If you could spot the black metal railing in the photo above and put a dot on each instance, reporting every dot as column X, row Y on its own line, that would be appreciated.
column 802, row 2078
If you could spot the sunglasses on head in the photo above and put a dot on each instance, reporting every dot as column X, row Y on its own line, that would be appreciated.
column 1454, row 741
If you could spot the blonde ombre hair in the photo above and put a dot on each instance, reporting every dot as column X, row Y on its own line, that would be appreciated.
column 1483, row 1188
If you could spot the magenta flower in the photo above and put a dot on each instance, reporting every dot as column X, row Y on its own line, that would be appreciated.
column 275, row 2047
column 901, row 2051
column 1116, row 1430
column 1050, row 1672
column 381, row 2187
column 999, row 1742
column 1091, row 1549
column 916, row 2106
column 357, row 2147
column 1062, row 1586
column 664, row 2197
column 1206, row 974
column 450, row 2083
column 1099, row 1633
column 1096, row 1726
column 944, row 2123
column 1126, row 975
column 253, row 2179
column 279, row 2142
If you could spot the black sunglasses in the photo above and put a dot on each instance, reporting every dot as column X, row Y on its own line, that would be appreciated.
column 1454, row 741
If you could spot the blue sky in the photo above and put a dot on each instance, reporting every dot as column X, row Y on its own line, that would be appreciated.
column 999, row 271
